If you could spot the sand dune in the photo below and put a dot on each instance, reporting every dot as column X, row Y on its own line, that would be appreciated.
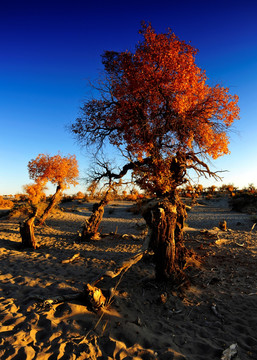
column 144, row 319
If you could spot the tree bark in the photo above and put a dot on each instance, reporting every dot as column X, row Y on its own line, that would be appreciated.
column 165, row 218
column 53, row 201
column 90, row 228
column 27, row 232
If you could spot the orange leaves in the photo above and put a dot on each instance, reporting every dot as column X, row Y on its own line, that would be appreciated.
column 35, row 192
column 158, row 177
column 59, row 170
column 157, row 103
column 5, row 203
column 160, row 89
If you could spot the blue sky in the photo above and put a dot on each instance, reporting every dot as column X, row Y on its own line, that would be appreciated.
column 49, row 51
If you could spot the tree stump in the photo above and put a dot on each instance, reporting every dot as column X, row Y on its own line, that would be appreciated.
column 165, row 218
column 27, row 233
column 223, row 225
column 90, row 228
column 94, row 297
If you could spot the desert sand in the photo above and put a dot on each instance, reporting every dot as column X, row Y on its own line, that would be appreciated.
column 144, row 319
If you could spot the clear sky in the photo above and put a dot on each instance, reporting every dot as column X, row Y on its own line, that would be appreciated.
column 49, row 49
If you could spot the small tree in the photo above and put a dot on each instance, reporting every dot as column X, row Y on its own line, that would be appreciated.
column 60, row 171
column 91, row 225
column 251, row 188
column 79, row 196
column 35, row 194
column 157, row 108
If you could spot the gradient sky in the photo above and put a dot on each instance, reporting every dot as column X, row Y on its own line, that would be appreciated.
column 49, row 51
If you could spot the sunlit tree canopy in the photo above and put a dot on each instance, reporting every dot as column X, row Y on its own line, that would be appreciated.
column 59, row 170
column 156, row 104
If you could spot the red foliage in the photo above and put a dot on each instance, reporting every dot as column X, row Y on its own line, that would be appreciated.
column 159, row 106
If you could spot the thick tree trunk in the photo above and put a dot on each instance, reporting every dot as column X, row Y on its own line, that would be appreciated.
column 90, row 228
column 27, row 232
column 53, row 201
column 181, row 250
column 165, row 218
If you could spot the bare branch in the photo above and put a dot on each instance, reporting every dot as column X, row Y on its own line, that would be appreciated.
column 108, row 173
column 203, row 169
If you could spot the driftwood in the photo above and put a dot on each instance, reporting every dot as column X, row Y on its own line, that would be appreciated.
column 91, row 295
column 94, row 297
column 126, row 264
column 230, row 352
column 55, row 299
column 223, row 225
column 72, row 259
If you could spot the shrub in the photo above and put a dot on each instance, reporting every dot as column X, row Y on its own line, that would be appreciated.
column 244, row 202
column 21, row 197
column 21, row 210
column 5, row 203
column 79, row 196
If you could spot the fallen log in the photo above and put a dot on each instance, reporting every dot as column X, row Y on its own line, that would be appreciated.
column 91, row 295
column 72, row 259
column 126, row 264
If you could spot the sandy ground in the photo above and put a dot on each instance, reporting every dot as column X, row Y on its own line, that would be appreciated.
column 144, row 320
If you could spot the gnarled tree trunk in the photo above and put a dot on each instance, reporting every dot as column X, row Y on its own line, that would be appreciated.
column 90, row 228
column 27, row 231
column 165, row 218
column 53, row 201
